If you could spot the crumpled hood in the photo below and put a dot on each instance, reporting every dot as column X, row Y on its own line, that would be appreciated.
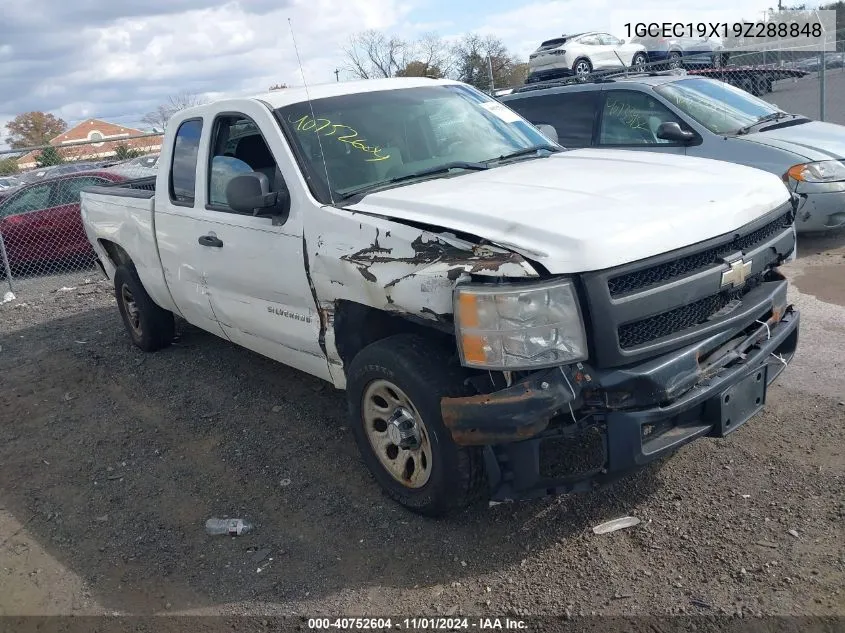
column 814, row 140
column 584, row 210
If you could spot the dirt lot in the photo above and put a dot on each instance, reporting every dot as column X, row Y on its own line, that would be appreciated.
column 111, row 460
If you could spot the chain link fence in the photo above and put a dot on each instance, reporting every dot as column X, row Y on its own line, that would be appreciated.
column 44, row 249
column 43, row 245
column 802, row 80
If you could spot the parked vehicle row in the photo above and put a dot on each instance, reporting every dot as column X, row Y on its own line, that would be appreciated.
column 487, row 298
column 41, row 225
column 701, row 117
column 581, row 54
column 7, row 182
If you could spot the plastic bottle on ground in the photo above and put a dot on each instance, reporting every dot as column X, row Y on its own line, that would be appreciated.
column 232, row 527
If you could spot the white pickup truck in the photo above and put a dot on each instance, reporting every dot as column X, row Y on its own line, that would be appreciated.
column 508, row 318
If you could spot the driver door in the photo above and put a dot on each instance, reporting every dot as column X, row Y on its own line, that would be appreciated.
column 256, row 277
column 629, row 120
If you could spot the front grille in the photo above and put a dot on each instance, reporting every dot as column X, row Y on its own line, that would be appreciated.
column 686, row 300
column 682, row 318
column 669, row 271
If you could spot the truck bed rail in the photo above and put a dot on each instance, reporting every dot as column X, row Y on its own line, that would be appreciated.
column 136, row 188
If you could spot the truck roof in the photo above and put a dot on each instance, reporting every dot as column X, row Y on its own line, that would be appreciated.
column 287, row 96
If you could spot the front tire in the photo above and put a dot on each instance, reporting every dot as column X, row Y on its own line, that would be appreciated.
column 394, row 387
column 149, row 326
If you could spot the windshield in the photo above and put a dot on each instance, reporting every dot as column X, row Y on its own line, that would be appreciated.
column 370, row 138
column 719, row 107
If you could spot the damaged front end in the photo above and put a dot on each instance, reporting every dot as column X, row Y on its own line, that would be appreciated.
column 680, row 347
column 569, row 429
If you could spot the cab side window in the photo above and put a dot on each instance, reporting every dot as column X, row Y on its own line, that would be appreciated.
column 572, row 114
column 183, row 169
column 632, row 118
column 238, row 147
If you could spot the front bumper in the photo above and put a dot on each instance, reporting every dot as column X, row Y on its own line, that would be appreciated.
column 630, row 416
column 822, row 208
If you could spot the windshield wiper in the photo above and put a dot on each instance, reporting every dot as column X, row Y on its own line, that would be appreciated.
column 774, row 116
column 431, row 171
column 525, row 152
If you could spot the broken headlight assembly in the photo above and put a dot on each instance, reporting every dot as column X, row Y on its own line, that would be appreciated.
column 821, row 171
column 519, row 326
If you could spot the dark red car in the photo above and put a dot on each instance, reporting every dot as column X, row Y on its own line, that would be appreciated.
column 41, row 223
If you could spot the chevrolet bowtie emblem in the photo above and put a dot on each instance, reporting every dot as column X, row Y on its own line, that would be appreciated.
column 737, row 274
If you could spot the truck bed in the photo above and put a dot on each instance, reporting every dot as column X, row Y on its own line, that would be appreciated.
column 124, row 214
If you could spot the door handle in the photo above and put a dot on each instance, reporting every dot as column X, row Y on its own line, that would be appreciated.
column 210, row 240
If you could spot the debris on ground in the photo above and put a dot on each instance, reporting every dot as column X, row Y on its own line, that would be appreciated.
column 8, row 297
column 261, row 554
column 794, row 533
column 616, row 524
column 232, row 527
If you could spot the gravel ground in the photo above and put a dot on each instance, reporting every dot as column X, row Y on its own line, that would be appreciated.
column 111, row 460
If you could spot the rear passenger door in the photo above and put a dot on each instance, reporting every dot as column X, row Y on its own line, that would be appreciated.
column 178, row 224
column 573, row 114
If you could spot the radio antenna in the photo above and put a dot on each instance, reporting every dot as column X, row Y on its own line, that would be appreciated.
column 311, row 107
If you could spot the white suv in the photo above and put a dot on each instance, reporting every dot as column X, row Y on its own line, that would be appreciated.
column 582, row 53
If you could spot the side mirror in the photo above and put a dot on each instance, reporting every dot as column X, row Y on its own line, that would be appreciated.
column 250, row 193
column 621, row 42
column 671, row 131
column 548, row 131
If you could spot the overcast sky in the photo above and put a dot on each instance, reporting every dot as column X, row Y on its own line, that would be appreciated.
column 118, row 59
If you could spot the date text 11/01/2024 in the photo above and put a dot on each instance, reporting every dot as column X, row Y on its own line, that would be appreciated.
column 418, row 624
column 724, row 29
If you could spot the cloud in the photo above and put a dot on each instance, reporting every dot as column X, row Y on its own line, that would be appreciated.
column 119, row 59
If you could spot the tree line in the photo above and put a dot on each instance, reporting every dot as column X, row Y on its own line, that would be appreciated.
column 373, row 54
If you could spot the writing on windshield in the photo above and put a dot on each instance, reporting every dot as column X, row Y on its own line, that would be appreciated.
column 627, row 114
column 721, row 108
column 325, row 127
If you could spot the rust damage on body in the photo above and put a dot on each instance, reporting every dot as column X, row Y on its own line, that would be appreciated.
column 416, row 274
column 515, row 413
column 480, row 259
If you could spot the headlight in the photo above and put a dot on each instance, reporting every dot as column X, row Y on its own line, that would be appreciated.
column 823, row 171
column 523, row 326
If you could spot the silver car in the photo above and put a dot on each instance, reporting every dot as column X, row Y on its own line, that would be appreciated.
column 684, row 114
